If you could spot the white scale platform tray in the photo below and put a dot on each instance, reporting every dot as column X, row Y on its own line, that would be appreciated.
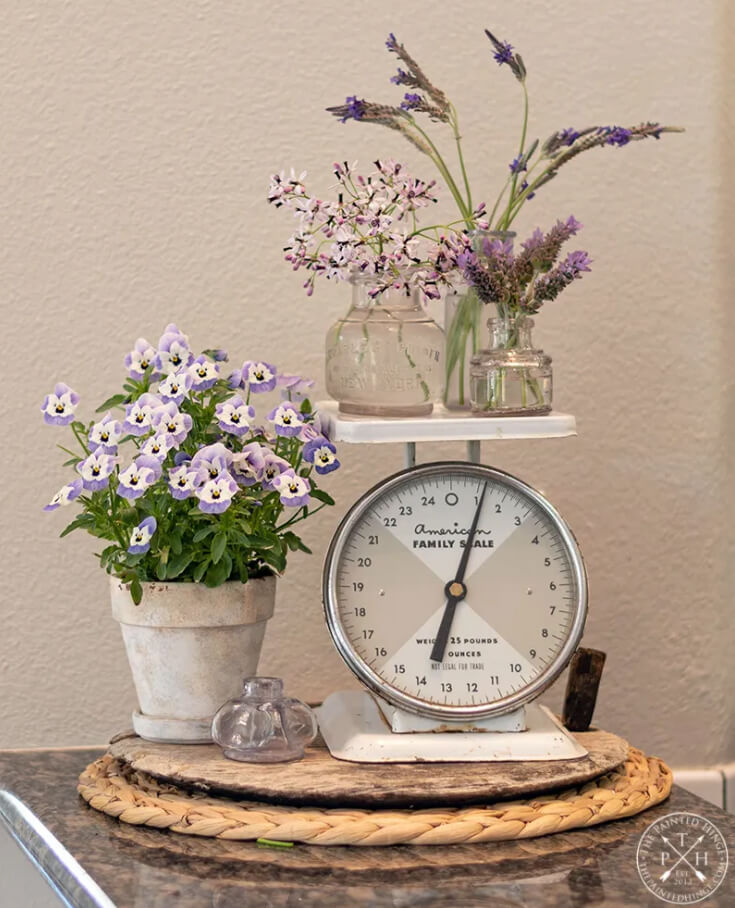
column 442, row 425
column 354, row 729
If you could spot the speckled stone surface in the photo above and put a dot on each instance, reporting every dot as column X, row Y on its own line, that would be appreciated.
column 144, row 868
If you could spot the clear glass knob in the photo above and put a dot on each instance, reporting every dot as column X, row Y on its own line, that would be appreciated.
column 262, row 725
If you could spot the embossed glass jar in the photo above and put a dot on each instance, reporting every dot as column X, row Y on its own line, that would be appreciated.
column 511, row 377
column 263, row 725
column 385, row 357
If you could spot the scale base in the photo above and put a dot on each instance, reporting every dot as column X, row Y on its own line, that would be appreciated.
column 355, row 730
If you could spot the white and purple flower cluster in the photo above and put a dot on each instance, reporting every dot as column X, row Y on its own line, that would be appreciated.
column 369, row 230
column 194, row 435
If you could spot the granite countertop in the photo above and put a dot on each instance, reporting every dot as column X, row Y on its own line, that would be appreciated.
column 102, row 862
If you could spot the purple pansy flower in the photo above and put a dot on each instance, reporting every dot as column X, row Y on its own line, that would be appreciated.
column 183, row 481
column 215, row 495
column 105, row 435
column 319, row 427
column 168, row 420
column 59, row 406
column 65, row 495
column 259, row 376
column 140, row 538
column 134, row 480
column 219, row 356
column 248, row 465
column 322, row 454
column 96, row 469
column 273, row 466
column 292, row 489
column 234, row 379
column 175, row 387
column 213, row 459
column 173, row 351
column 287, row 419
column 139, row 362
column 204, row 373
column 156, row 446
column 149, row 462
column 294, row 387
column 234, row 415
column 139, row 415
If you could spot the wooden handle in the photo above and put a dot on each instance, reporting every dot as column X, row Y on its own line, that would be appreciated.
column 585, row 673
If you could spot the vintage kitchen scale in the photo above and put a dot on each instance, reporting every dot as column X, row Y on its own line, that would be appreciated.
column 456, row 594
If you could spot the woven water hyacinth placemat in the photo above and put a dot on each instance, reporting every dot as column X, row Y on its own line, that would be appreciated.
column 114, row 788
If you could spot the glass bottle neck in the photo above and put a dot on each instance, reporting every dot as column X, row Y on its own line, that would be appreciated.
column 513, row 331
column 262, row 688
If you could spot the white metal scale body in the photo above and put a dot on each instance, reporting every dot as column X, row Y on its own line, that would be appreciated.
column 518, row 612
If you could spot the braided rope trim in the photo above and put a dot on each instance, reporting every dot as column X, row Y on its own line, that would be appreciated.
column 133, row 797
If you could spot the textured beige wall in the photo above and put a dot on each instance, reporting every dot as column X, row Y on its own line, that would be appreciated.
column 135, row 148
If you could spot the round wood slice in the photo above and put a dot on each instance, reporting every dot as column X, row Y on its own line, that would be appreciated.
column 321, row 780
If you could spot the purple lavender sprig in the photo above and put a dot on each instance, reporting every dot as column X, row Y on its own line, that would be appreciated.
column 550, row 285
column 519, row 283
column 414, row 77
column 380, row 114
column 563, row 146
column 504, row 56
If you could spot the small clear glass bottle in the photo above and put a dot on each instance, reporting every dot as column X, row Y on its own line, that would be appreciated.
column 511, row 377
column 463, row 311
column 263, row 725
column 385, row 357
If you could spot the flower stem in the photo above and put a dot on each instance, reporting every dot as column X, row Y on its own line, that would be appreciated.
column 448, row 178
column 460, row 155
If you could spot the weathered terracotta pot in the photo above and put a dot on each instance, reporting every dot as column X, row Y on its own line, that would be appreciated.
column 189, row 648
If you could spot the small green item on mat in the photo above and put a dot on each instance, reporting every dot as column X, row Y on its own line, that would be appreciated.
column 272, row 843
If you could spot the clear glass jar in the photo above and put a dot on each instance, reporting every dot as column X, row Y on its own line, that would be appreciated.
column 463, row 312
column 263, row 725
column 511, row 377
column 385, row 357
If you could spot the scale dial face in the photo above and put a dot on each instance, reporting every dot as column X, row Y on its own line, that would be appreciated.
column 394, row 562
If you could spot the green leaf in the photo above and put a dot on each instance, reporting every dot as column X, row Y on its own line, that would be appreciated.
column 175, row 540
column 136, row 591
column 85, row 521
column 295, row 544
column 217, row 573
column 219, row 544
column 177, row 565
column 204, row 532
column 321, row 496
column 72, row 462
column 199, row 570
column 275, row 559
column 117, row 400
column 306, row 406
column 161, row 569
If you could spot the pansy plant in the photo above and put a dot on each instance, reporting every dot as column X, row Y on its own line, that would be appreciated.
column 178, row 476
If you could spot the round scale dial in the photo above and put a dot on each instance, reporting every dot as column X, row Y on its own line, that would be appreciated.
column 455, row 590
